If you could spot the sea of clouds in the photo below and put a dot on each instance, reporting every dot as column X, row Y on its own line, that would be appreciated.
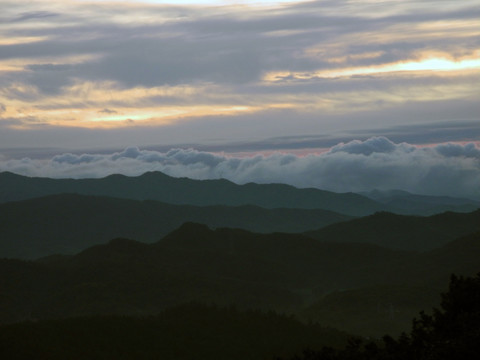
column 377, row 163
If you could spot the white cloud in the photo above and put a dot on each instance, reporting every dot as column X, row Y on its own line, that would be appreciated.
column 456, row 150
column 376, row 163
column 373, row 145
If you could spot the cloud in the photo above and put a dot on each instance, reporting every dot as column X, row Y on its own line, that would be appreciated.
column 171, row 71
column 175, row 44
column 34, row 15
column 376, row 163
column 370, row 146
column 456, row 150
column 107, row 111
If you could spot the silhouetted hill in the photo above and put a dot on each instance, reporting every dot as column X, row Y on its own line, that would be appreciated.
column 192, row 263
column 406, row 203
column 450, row 332
column 69, row 223
column 401, row 231
column 411, row 285
column 376, row 310
column 283, row 272
column 160, row 187
column 189, row 331
column 460, row 256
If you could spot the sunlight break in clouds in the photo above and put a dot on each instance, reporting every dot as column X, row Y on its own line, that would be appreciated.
column 336, row 67
column 429, row 64
column 377, row 163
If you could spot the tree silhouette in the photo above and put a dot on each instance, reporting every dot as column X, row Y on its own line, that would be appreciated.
column 454, row 330
column 451, row 332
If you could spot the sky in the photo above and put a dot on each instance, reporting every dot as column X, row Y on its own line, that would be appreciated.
column 343, row 95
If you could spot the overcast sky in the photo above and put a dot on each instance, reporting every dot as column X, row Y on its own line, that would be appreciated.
column 238, row 77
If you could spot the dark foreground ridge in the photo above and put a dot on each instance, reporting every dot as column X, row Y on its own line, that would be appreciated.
column 190, row 331
column 199, row 332
column 451, row 332
column 283, row 272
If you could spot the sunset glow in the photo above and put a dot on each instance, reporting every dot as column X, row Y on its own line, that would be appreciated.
column 254, row 69
column 436, row 65
column 157, row 156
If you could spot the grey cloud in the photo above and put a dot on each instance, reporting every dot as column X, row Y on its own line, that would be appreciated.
column 107, row 111
column 376, row 163
column 73, row 159
column 378, row 144
column 35, row 15
column 456, row 150
column 207, row 47
column 234, row 50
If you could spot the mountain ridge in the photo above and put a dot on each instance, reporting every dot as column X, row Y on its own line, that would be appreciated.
column 158, row 186
column 283, row 272
column 161, row 187
column 405, row 232
column 66, row 223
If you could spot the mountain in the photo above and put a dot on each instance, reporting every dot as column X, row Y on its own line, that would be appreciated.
column 282, row 272
column 412, row 233
column 190, row 331
column 193, row 263
column 160, row 187
column 374, row 310
column 406, row 203
column 411, row 285
column 69, row 223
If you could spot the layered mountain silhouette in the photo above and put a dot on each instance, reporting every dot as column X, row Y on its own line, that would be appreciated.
column 189, row 331
column 400, row 231
column 69, row 223
column 284, row 272
column 161, row 187
column 408, row 203
column 270, row 247
column 192, row 263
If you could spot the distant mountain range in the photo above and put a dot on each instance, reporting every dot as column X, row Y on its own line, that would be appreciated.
column 409, row 203
column 68, row 223
column 284, row 272
column 160, row 187
column 403, row 232
column 272, row 247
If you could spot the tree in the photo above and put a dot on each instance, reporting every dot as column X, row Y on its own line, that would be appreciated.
column 454, row 330
column 451, row 332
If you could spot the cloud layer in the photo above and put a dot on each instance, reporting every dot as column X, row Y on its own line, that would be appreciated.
column 72, row 65
column 377, row 163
